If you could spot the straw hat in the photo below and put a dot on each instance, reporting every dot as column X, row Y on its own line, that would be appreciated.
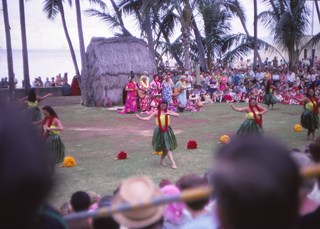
column 134, row 191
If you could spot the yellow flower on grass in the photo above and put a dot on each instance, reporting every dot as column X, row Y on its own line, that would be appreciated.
column 158, row 153
column 69, row 162
column 297, row 128
column 224, row 139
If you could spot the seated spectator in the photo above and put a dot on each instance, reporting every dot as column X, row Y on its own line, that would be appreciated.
column 65, row 209
column 256, row 184
column 309, row 209
column 105, row 222
column 201, row 218
column 143, row 189
column 25, row 175
column 174, row 216
column 80, row 201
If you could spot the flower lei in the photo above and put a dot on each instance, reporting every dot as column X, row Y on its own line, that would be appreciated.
column 145, row 85
column 159, row 121
column 49, row 122
column 315, row 104
column 183, row 84
column 256, row 119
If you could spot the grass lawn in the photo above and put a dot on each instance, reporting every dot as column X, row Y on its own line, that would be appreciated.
column 94, row 136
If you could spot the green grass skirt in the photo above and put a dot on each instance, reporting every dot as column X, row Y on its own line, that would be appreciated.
column 250, row 127
column 269, row 99
column 163, row 141
column 309, row 120
column 34, row 114
column 56, row 148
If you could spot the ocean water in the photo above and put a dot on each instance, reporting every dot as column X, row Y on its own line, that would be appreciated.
column 44, row 63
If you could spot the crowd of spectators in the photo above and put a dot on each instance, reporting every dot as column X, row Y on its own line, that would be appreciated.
column 256, row 183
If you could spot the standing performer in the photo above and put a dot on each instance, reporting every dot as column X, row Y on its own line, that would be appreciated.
column 181, row 86
column 32, row 101
column 163, row 136
column 144, row 94
column 269, row 98
column 131, row 99
column 309, row 117
column 167, row 86
column 52, row 126
column 253, row 123
column 155, row 86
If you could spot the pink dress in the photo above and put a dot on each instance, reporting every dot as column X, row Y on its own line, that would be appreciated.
column 144, row 102
column 131, row 99
column 155, row 88
column 223, row 83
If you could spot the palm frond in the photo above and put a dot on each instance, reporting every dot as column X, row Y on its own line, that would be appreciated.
column 100, row 3
column 51, row 8
column 111, row 20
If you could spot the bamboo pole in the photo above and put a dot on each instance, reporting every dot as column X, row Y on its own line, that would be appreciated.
column 188, row 195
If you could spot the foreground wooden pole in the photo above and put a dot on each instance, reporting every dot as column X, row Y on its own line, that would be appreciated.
column 188, row 195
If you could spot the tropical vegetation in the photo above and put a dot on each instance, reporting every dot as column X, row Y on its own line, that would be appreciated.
column 188, row 31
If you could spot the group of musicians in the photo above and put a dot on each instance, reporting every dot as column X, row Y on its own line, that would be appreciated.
column 147, row 94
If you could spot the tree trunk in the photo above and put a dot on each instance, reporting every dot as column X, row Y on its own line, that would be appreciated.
column 293, row 57
column 185, row 30
column 26, row 76
column 255, row 29
column 148, row 30
column 73, row 55
column 9, row 48
column 202, row 55
column 317, row 8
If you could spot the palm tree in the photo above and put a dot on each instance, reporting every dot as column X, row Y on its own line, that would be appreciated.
column 9, row 48
column 26, row 76
column 114, row 20
column 143, row 14
column 255, row 29
column 52, row 8
column 287, row 21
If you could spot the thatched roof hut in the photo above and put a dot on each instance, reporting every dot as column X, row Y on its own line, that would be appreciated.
column 109, row 63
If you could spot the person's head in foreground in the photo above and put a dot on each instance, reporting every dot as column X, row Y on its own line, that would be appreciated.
column 256, row 184
column 135, row 190
column 25, row 171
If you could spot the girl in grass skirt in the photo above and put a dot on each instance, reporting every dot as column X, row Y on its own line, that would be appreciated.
column 309, row 117
column 253, row 123
column 32, row 101
column 269, row 98
column 52, row 126
column 163, row 136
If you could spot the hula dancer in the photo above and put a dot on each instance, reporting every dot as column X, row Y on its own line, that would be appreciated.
column 52, row 126
column 253, row 123
column 269, row 98
column 32, row 101
column 163, row 136
column 309, row 117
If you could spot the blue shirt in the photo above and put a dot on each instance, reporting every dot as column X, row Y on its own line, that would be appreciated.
column 205, row 221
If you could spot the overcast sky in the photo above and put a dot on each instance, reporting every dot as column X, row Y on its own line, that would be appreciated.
column 46, row 34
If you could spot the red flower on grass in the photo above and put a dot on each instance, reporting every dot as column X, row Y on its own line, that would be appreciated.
column 192, row 144
column 121, row 156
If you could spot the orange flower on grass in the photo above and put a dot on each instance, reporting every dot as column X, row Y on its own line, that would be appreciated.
column 224, row 139
column 69, row 162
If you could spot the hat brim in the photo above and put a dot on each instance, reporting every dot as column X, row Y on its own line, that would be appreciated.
column 133, row 223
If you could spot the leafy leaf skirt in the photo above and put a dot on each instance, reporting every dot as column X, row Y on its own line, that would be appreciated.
column 250, row 127
column 34, row 114
column 309, row 120
column 164, row 141
column 56, row 148
column 269, row 99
